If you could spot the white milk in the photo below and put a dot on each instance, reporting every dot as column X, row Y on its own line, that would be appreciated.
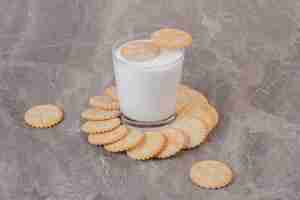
column 147, row 89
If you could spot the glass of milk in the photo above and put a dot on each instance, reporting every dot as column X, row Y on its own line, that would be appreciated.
column 147, row 89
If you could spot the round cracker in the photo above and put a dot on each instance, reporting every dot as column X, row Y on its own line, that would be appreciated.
column 214, row 114
column 140, row 50
column 195, row 95
column 182, row 99
column 211, row 174
column 108, row 137
column 104, row 102
column 153, row 143
column 44, row 116
column 204, row 112
column 93, row 127
column 112, row 92
column 185, row 96
column 175, row 142
column 186, row 139
column 133, row 138
column 96, row 114
column 193, row 128
column 171, row 38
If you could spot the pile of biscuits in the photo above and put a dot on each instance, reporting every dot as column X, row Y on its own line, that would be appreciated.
column 195, row 120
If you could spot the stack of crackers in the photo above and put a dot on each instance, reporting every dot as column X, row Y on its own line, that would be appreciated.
column 195, row 120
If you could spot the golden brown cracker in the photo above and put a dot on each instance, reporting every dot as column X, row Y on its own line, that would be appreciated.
column 112, row 92
column 44, row 116
column 104, row 102
column 211, row 174
column 175, row 142
column 204, row 112
column 193, row 128
column 153, row 143
column 93, row 127
column 215, row 115
column 182, row 99
column 171, row 38
column 140, row 50
column 108, row 137
column 186, row 139
column 185, row 96
column 96, row 114
column 133, row 138
column 196, row 96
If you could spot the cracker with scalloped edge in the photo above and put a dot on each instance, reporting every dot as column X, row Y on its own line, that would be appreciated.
column 44, row 116
column 108, row 137
column 153, row 144
column 171, row 38
column 205, row 112
column 211, row 174
column 140, row 50
column 112, row 92
column 195, row 129
column 185, row 96
column 94, row 127
column 104, row 102
column 175, row 142
column 133, row 138
column 97, row 114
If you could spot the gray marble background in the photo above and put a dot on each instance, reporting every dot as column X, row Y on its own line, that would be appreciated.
column 245, row 58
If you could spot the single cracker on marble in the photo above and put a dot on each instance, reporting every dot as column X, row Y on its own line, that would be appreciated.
column 211, row 174
column 193, row 128
column 171, row 38
column 44, row 116
column 108, row 137
column 175, row 142
column 140, row 50
column 153, row 144
column 94, row 127
column 104, row 102
column 205, row 112
column 97, row 114
column 112, row 92
column 133, row 138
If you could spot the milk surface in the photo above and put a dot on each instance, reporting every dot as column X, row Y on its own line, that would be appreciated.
column 147, row 89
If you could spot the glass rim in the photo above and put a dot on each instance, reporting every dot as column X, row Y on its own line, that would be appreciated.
column 138, row 36
column 148, row 124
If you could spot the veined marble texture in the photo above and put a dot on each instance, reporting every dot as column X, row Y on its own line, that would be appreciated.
column 245, row 57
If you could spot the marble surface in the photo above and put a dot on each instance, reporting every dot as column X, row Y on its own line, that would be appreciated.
column 245, row 58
